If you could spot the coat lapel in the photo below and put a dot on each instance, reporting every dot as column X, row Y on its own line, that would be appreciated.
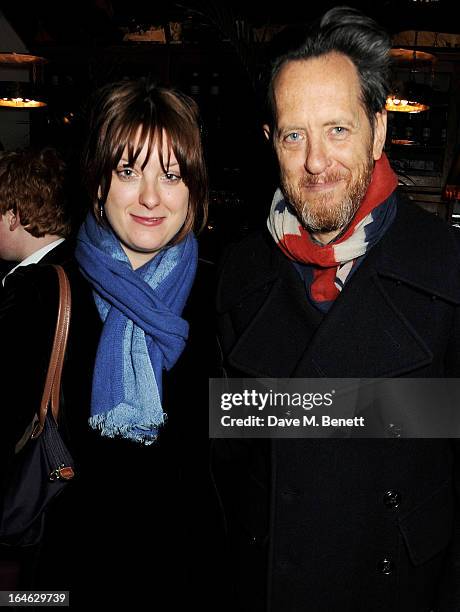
column 278, row 336
column 364, row 334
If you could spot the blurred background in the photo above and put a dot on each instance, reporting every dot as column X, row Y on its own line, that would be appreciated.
column 55, row 54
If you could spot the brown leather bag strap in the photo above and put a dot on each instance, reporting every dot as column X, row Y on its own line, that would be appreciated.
column 65, row 302
column 52, row 387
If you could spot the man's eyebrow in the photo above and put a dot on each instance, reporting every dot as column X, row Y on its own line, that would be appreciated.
column 342, row 121
column 335, row 121
column 294, row 128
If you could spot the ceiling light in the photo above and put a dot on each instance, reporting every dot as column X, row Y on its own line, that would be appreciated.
column 20, row 59
column 19, row 94
column 410, row 96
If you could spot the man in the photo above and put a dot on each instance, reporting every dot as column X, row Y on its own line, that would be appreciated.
column 34, row 233
column 349, row 281
column 33, row 220
column 34, row 225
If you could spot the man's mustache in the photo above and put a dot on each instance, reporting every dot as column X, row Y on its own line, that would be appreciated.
column 321, row 179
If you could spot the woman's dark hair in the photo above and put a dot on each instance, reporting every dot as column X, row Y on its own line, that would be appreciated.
column 128, row 114
column 347, row 31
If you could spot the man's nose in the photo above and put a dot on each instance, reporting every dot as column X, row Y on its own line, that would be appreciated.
column 317, row 156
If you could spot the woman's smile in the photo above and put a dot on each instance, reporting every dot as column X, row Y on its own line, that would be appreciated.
column 148, row 221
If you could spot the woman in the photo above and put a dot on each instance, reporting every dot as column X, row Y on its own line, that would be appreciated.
column 145, row 174
column 146, row 177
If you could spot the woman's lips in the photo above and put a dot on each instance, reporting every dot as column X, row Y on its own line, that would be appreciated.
column 148, row 221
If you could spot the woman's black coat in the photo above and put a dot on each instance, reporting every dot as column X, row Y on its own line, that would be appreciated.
column 128, row 502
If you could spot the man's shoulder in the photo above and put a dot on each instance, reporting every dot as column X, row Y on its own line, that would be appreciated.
column 30, row 278
column 39, row 281
column 28, row 303
column 422, row 250
column 421, row 225
column 43, row 271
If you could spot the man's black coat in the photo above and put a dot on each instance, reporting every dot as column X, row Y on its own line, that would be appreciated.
column 329, row 525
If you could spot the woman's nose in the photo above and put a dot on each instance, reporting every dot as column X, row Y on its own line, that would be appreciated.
column 149, row 196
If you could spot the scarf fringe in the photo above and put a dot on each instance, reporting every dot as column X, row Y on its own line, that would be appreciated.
column 111, row 424
column 143, row 331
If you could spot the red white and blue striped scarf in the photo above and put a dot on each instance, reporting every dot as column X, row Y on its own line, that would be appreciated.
column 326, row 268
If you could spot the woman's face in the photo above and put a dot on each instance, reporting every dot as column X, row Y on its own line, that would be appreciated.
column 146, row 207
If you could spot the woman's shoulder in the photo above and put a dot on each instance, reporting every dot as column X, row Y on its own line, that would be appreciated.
column 200, row 304
column 201, row 349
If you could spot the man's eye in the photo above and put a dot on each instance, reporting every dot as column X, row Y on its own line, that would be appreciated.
column 293, row 137
column 339, row 131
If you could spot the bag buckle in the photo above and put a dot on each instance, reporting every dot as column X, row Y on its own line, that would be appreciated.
column 62, row 473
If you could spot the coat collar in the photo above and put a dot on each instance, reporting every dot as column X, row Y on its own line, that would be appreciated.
column 402, row 253
column 364, row 333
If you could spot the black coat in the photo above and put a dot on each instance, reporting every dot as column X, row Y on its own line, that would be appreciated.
column 127, row 501
column 28, row 312
column 368, row 525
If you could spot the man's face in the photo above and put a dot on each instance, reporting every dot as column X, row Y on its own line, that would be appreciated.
column 324, row 141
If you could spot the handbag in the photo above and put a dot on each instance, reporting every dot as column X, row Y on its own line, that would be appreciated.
column 42, row 466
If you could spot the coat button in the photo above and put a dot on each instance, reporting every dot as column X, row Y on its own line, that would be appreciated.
column 257, row 541
column 289, row 495
column 386, row 566
column 392, row 499
column 394, row 430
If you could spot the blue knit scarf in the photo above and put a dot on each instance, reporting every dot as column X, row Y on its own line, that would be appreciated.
column 143, row 332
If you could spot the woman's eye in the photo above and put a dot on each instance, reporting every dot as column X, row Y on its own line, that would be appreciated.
column 171, row 177
column 125, row 173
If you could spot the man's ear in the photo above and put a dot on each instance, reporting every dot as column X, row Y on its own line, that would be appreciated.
column 380, row 133
column 266, row 129
column 13, row 220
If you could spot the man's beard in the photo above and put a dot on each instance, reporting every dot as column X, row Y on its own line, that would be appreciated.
column 321, row 213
